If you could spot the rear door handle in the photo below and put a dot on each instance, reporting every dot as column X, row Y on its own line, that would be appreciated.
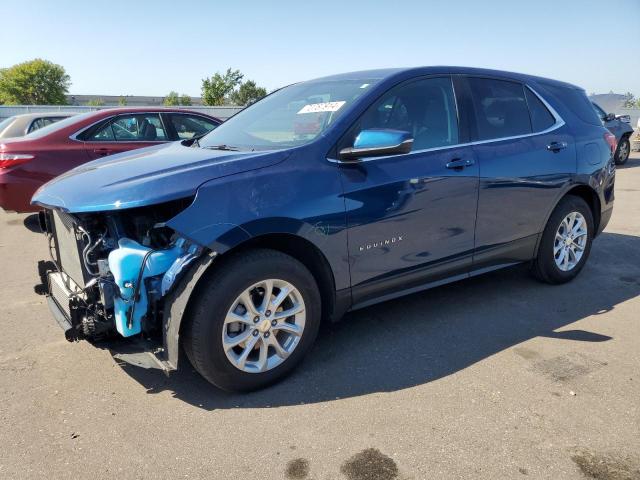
column 459, row 163
column 557, row 146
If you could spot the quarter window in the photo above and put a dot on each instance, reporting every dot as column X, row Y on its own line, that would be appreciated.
column 541, row 117
column 500, row 108
column 424, row 108
column 599, row 111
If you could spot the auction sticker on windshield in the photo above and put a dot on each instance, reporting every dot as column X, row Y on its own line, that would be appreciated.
column 321, row 107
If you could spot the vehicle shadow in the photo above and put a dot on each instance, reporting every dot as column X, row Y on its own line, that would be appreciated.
column 426, row 336
column 632, row 162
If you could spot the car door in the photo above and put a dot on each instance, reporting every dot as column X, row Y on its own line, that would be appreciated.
column 526, row 157
column 125, row 132
column 410, row 216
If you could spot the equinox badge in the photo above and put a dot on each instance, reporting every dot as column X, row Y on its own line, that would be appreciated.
column 381, row 243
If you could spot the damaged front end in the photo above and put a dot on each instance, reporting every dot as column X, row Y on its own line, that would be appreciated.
column 111, row 272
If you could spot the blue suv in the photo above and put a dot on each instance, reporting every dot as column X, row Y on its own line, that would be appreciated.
column 324, row 197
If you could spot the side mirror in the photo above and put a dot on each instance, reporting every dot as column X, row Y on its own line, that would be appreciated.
column 377, row 143
column 609, row 117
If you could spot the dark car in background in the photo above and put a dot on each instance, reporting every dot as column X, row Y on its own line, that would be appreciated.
column 325, row 196
column 28, row 162
column 620, row 129
column 21, row 125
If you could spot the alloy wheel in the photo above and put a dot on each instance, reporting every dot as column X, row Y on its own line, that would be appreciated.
column 623, row 151
column 570, row 241
column 263, row 326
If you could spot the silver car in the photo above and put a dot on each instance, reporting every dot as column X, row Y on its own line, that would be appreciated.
column 20, row 125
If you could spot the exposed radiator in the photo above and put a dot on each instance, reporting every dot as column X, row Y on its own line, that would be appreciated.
column 61, row 288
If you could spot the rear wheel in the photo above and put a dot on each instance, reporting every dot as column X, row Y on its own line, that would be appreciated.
column 623, row 151
column 566, row 242
column 253, row 320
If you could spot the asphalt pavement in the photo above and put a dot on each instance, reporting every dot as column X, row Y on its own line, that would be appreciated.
column 497, row 377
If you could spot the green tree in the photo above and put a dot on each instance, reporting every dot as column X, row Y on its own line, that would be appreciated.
column 629, row 100
column 96, row 102
column 216, row 89
column 36, row 82
column 122, row 101
column 247, row 94
column 185, row 99
column 172, row 99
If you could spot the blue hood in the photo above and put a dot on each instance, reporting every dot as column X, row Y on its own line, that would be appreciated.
column 145, row 177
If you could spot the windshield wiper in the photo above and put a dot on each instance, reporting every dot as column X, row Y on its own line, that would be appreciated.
column 222, row 147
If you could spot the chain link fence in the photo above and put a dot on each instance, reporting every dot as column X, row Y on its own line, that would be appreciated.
column 222, row 112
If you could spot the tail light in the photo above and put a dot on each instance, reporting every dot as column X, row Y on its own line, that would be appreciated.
column 10, row 159
column 609, row 137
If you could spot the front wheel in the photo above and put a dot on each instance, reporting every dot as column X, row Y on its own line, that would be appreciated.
column 253, row 320
column 566, row 242
column 622, row 152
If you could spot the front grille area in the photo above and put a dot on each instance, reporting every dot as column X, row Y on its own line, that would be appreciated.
column 68, row 245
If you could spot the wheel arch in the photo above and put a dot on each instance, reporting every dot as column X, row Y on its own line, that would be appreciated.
column 177, row 302
column 306, row 253
column 589, row 195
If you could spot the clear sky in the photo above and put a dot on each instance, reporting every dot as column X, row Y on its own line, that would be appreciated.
column 151, row 47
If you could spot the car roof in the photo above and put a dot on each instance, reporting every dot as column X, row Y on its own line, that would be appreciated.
column 384, row 73
column 44, row 115
column 106, row 112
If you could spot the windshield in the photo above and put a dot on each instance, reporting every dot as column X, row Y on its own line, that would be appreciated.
column 290, row 117
column 54, row 127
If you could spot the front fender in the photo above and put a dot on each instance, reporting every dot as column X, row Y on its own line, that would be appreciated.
column 175, row 305
column 297, row 197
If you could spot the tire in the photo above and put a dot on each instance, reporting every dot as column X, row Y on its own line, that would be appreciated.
column 545, row 267
column 220, row 298
column 622, row 152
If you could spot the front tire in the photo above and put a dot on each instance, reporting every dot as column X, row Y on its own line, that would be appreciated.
column 566, row 242
column 253, row 319
column 622, row 152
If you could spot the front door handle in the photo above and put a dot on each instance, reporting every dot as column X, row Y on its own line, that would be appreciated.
column 557, row 146
column 459, row 163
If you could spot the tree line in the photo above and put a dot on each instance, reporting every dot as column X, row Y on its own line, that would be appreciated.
column 41, row 82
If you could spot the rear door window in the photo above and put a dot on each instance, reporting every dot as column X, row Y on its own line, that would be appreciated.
column 189, row 126
column 500, row 108
column 541, row 117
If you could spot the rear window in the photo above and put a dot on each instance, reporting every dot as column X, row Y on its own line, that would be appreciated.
column 575, row 100
column 500, row 107
column 541, row 117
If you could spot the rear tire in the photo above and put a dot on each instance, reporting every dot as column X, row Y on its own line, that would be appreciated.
column 622, row 152
column 566, row 242
column 230, row 307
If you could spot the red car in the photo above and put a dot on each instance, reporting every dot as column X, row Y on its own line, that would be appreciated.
column 28, row 162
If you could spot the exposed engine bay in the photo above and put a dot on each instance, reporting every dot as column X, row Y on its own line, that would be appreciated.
column 110, row 271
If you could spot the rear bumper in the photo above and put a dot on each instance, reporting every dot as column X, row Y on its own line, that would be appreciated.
column 15, row 194
column 605, row 216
